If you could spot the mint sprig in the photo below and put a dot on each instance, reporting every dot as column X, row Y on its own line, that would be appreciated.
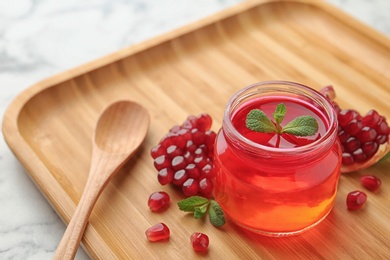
column 301, row 126
column 216, row 215
column 200, row 206
column 279, row 114
column 258, row 121
column 189, row 204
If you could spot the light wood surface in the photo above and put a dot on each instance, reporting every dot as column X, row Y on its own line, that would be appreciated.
column 193, row 70
column 119, row 132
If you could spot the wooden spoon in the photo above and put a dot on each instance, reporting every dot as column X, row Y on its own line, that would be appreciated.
column 120, row 130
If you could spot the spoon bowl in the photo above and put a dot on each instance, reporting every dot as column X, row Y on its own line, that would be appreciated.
column 133, row 122
column 119, row 132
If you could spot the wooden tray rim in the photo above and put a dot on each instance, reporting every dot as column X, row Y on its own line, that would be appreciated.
column 42, row 176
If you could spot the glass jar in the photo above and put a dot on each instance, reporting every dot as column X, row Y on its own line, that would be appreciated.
column 277, row 185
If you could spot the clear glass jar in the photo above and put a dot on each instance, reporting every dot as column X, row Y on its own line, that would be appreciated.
column 274, row 187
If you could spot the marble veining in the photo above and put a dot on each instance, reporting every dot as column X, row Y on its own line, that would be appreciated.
column 39, row 38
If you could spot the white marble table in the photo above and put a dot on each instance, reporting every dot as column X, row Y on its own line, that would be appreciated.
column 41, row 38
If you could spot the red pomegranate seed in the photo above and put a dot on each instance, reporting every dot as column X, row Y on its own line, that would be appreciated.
column 180, row 177
column 371, row 119
column 192, row 171
column 359, row 155
column 158, row 201
column 206, row 187
column 382, row 127
column 157, row 151
column 367, row 134
column 198, row 137
column 203, row 122
column 346, row 116
column 210, row 138
column 356, row 200
column 370, row 148
column 185, row 134
column 354, row 126
column 328, row 92
column 381, row 139
column 167, row 140
column 199, row 241
column 200, row 161
column 371, row 182
column 181, row 141
column 191, row 147
column 343, row 136
column 207, row 171
column 352, row 144
column 189, row 157
column 173, row 151
column 347, row 159
column 158, row 232
column 165, row 176
column 192, row 120
column 178, row 163
column 190, row 187
column 202, row 149
column 188, row 123
column 161, row 162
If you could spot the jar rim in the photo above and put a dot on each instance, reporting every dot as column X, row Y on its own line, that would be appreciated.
column 330, row 115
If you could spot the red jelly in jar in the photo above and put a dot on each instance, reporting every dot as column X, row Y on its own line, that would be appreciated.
column 277, row 184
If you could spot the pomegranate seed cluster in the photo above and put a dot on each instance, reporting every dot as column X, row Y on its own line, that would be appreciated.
column 184, row 157
column 361, row 136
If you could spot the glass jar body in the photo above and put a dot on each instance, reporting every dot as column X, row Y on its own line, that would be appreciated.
column 277, row 191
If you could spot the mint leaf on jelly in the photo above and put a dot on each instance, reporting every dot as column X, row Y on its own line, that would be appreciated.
column 279, row 114
column 301, row 126
column 258, row 121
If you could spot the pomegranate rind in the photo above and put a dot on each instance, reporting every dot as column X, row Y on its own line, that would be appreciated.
column 382, row 153
column 383, row 150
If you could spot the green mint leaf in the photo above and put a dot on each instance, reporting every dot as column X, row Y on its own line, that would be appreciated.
column 279, row 114
column 301, row 126
column 216, row 215
column 191, row 203
column 201, row 211
column 258, row 121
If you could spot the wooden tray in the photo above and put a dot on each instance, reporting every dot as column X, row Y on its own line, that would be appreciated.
column 193, row 70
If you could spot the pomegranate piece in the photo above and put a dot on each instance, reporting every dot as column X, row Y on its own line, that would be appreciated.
column 206, row 187
column 364, row 139
column 165, row 176
column 158, row 201
column 190, row 187
column 371, row 182
column 199, row 241
column 184, row 156
column 158, row 232
column 356, row 200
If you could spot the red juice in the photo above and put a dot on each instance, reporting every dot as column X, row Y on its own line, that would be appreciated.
column 277, row 184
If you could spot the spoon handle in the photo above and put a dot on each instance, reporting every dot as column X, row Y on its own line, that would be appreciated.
column 74, row 232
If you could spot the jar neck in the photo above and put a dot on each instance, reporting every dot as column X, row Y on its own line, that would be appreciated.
column 281, row 89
